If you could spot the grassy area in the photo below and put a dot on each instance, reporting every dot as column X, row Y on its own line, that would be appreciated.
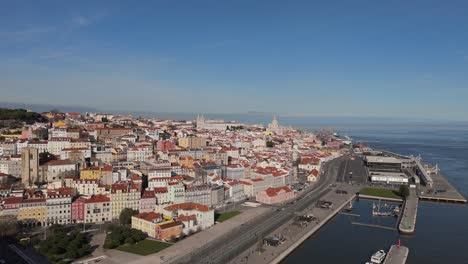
column 380, row 193
column 226, row 216
column 145, row 247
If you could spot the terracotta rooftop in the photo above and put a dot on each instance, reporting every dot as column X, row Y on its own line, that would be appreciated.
column 274, row 191
column 185, row 218
column 188, row 206
column 98, row 199
column 148, row 216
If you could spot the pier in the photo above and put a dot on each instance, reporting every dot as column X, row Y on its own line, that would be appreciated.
column 442, row 191
column 349, row 214
column 374, row 225
column 410, row 210
column 397, row 255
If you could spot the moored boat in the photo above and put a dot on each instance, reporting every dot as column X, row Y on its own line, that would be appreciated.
column 378, row 257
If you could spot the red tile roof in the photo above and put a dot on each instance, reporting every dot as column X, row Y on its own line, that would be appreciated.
column 170, row 225
column 98, row 199
column 160, row 190
column 148, row 216
column 274, row 191
column 188, row 206
column 185, row 218
column 12, row 200
column 60, row 162
column 148, row 194
column 315, row 172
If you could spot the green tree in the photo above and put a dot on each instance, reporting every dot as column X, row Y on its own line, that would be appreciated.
column 125, row 217
column 270, row 144
column 404, row 191
column 129, row 240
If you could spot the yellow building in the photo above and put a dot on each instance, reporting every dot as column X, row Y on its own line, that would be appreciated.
column 95, row 173
column 124, row 195
column 60, row 123
column 11, row 135
column 192, row 142
column 33, row 211
column 147, row 223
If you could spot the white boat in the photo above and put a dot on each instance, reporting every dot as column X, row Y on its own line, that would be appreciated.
column 396, row 211
column 378, row 257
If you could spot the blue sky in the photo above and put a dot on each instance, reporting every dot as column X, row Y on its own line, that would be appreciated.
column 306, row 58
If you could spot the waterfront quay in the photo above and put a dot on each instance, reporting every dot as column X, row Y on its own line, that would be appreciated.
column 294, row 233
column 442, row 191
column 410, row 211
column 397, row 255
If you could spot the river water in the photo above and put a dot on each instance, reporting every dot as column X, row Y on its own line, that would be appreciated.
column 441, row 230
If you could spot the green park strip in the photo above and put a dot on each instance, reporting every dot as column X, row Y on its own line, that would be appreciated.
column 144, row 247
column 226, row 216
column 380, row 193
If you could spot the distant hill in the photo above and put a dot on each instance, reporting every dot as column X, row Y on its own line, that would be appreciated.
column 20, row 115
column 47, row 107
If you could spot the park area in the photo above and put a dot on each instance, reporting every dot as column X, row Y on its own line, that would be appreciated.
column 225, row 216
column 378, row 192
column 144, row 247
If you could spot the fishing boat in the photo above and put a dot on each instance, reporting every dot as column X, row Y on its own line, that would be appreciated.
column 350, row 207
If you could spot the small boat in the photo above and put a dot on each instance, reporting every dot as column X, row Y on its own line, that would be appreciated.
column 378, row 257
column 396, row 211
column 376, row 210
column 350, row 207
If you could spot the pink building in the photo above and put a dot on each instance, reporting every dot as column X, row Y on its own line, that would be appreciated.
column 77, row 210
column 275, row 195
column 26, row 133
column 164, row 145
column 147, row 201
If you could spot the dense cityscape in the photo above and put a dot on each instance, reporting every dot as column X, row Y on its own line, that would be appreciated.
column 102, row 185
column 233, row 132
column 90, row 168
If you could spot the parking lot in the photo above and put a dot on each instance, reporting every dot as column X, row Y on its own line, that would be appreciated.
column 353, row 170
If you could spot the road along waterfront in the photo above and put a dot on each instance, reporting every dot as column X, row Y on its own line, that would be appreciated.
column 230, row 246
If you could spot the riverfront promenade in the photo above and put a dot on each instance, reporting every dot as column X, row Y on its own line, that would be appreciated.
column 295, row 234
column 192, row 243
